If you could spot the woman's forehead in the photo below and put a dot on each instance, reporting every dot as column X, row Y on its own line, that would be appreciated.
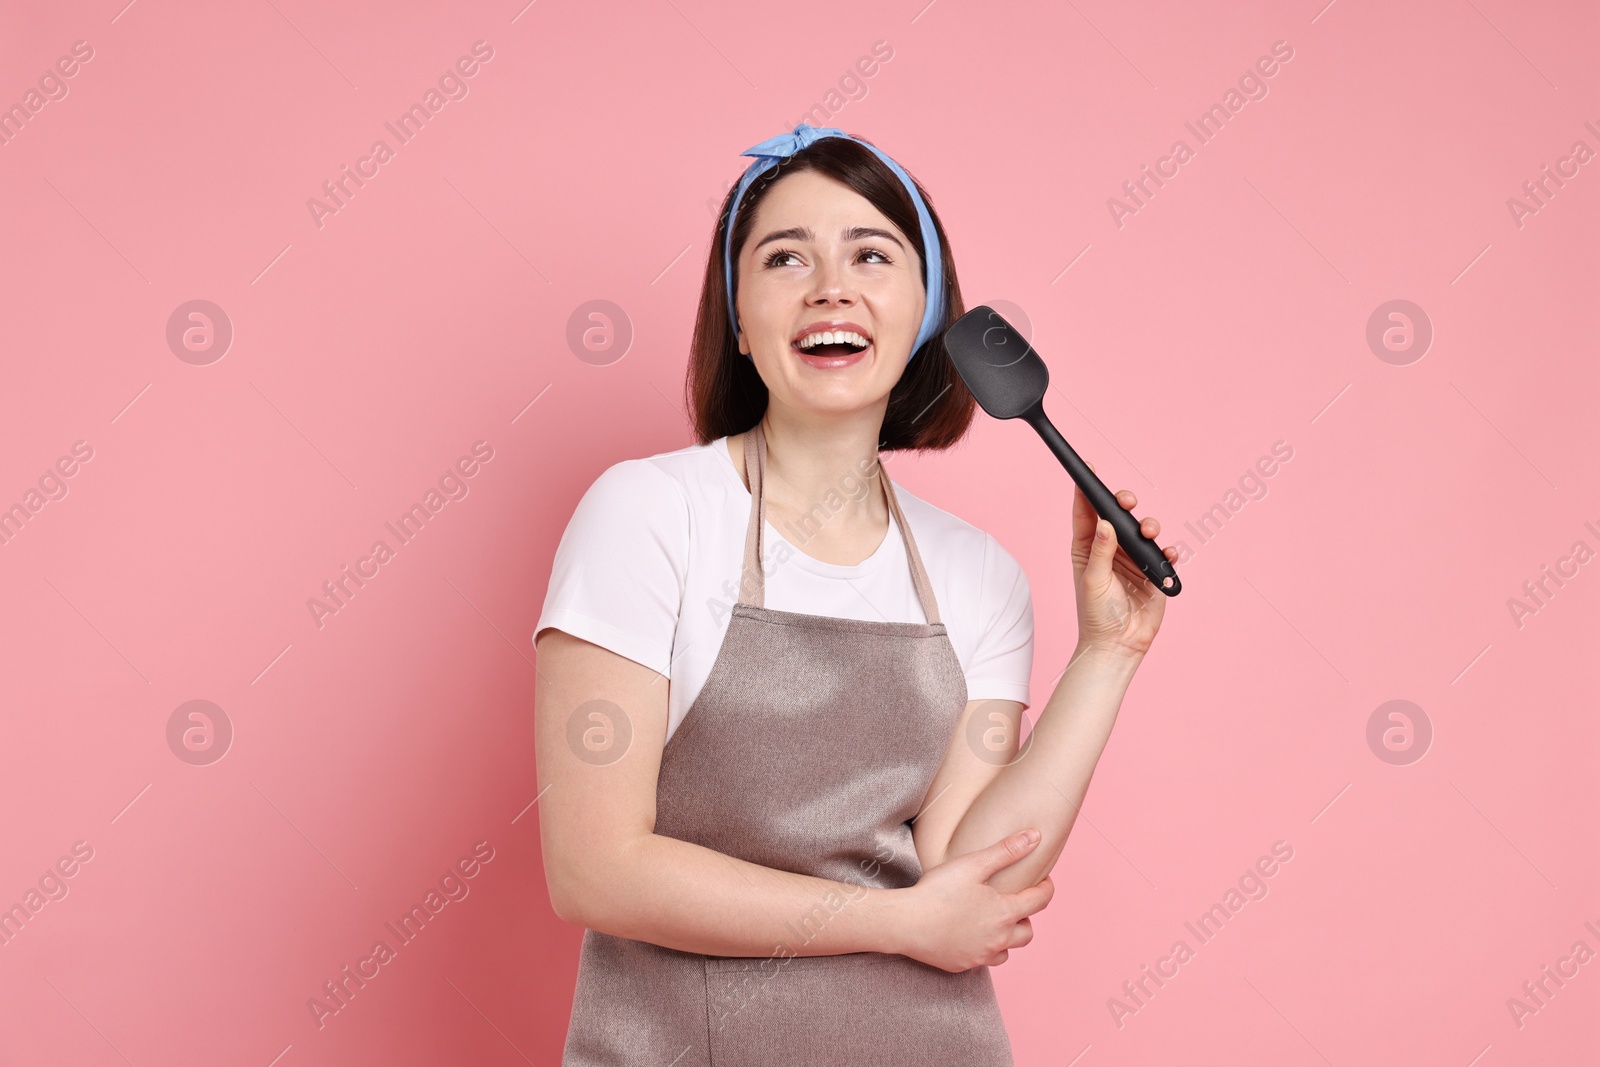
column 814, row 200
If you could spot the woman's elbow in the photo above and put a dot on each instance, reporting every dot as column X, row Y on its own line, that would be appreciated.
column 572, row 896
column 564, row 902
column 583, row 883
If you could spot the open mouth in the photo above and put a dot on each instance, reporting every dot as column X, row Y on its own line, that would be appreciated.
column 833, row 346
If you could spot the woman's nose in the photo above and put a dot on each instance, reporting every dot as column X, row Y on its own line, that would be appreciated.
column 830, row 284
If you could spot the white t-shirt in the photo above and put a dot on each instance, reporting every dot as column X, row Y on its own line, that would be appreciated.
column 649, row 568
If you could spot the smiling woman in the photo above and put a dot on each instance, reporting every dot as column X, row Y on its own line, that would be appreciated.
column 800, row 838
column 780, row 775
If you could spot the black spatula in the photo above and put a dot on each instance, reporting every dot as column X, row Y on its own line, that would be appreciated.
column 1008, row 378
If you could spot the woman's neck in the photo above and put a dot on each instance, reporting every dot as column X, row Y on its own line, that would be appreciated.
column 822, row 484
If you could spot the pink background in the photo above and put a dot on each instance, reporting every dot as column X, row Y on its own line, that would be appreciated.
column 432, row 311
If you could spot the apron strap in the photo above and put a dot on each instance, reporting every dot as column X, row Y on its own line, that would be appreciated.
column 752, row 581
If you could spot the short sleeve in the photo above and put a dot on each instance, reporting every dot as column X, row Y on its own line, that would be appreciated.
column 619, row 571
column 1002, row 663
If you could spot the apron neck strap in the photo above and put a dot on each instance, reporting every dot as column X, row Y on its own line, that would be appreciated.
column 752, row 582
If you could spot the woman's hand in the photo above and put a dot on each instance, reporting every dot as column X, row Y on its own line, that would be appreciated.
column 1119, row 609
column 955, row 921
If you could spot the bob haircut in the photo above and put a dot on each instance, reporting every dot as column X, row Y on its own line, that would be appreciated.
column 929, row 408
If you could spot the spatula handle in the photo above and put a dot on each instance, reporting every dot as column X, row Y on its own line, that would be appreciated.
column 1143, row 551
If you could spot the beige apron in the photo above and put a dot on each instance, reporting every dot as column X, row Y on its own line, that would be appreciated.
column 810, row 749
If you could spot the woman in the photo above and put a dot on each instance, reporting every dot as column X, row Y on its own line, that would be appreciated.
column 811, row 842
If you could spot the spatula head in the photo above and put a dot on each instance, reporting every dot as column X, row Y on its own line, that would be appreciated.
column 1006, row 376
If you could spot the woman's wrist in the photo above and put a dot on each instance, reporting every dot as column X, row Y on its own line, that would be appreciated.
column 1112, row 659
column 890, row 925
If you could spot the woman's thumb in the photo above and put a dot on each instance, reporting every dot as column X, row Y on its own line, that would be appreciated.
column 1102, row 547
column 1006, row 851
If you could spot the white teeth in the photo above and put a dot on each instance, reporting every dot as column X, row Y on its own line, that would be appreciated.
column 832, row 337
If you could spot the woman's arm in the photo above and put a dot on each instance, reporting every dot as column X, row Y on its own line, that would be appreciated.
column 1047, row 785
column 989, row 792
column 607, row 869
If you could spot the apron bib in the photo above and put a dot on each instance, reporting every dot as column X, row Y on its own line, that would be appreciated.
column 810, row 749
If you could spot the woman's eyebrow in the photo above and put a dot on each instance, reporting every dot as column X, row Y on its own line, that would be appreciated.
column 853, row 233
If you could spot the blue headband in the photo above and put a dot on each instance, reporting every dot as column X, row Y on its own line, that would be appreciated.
column 773, row 150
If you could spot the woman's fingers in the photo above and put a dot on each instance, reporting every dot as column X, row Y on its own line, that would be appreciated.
column 1084, row 517
column 1034, row 898
column 1102, row 549
column 1148, row 526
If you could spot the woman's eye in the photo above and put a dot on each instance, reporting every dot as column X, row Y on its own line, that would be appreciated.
column 775, row 256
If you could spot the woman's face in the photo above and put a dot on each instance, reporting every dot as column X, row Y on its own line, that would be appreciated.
column 819, row 252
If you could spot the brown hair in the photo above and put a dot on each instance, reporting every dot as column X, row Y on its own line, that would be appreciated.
column 929, row 407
